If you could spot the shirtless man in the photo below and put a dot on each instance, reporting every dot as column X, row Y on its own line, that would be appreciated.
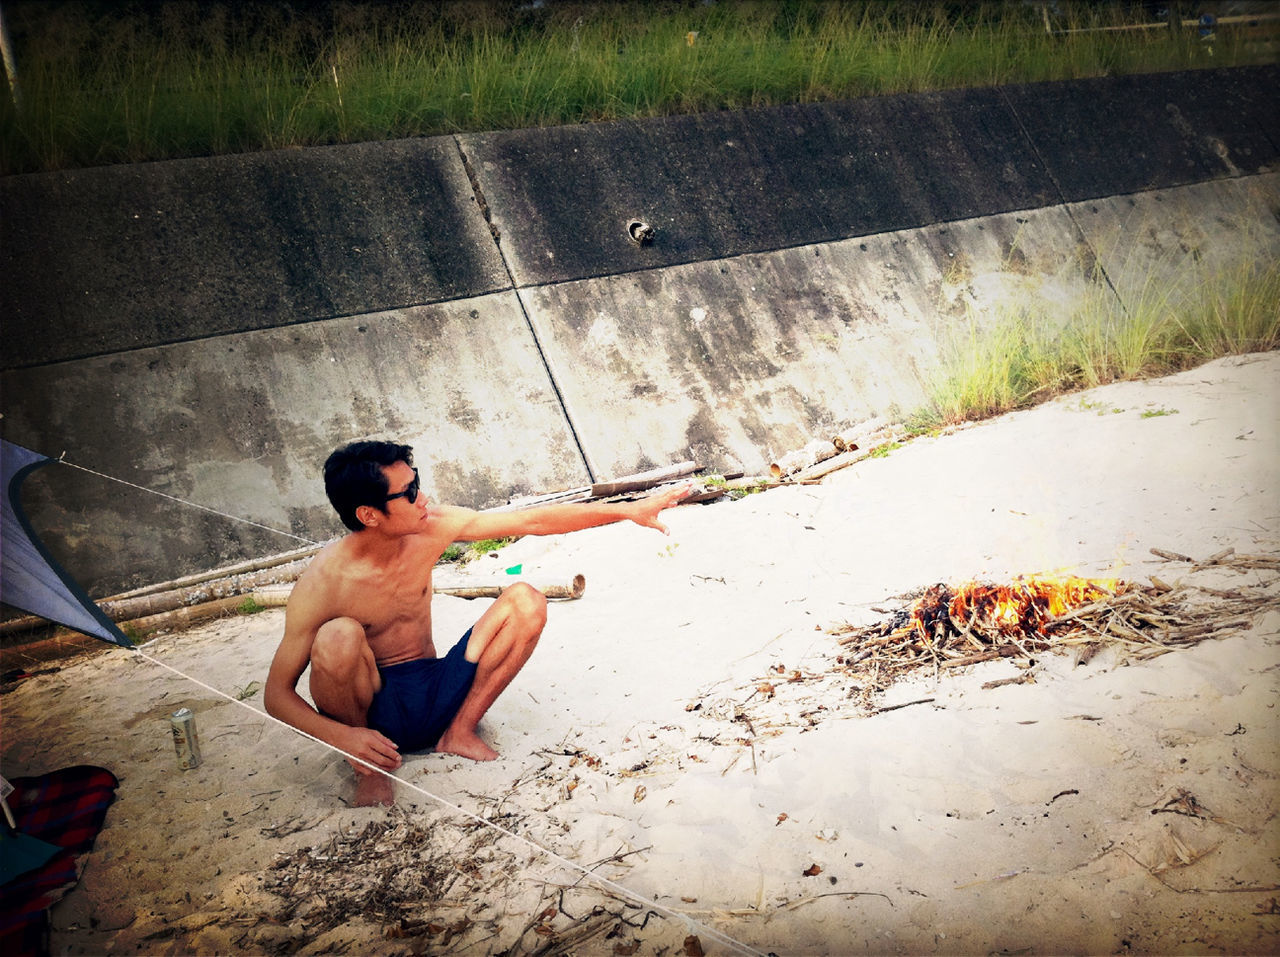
column 361, row 616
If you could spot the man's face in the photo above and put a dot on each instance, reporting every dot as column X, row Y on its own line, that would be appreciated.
column 402, row 484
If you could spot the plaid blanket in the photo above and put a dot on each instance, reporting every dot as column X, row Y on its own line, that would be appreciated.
column 65, row 808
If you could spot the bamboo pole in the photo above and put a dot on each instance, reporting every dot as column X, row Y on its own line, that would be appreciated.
column 141, row 606
column 198, row 594
column 833, row 464
column 864, row 434
column 643, row 480
column 253, row 565
column 568, row 592
column 277, row 596
column 580, row 494
column 811, row 454
column 638, row 482
column 183, row 617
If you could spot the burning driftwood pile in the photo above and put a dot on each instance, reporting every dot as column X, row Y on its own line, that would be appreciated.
column 947, row 626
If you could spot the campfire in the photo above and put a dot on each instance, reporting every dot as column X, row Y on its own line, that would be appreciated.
column 979, row 612
column 947, row 626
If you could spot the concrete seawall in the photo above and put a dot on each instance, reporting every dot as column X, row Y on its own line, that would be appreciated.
column 210, row 328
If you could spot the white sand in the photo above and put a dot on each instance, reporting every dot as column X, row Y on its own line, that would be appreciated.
column 1016, row 819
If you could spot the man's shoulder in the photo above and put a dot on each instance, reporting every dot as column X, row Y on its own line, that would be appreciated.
column 329, row 564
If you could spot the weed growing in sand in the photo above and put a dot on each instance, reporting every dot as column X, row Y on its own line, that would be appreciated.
column 1099, row 408
column 110, row 83
column 882, row 451
column 488, row 546
column 1156, row 413
column 751, row 488
column 1160, row 328
column 452, row 555
column 461, row 553
column 250, row 606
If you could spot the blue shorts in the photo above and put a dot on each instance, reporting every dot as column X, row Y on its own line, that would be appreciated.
column 419, row 698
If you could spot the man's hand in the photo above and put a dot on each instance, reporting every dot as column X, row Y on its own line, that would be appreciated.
column 371, row 746
column 648, row 508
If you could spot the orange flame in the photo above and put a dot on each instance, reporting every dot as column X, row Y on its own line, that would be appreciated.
column 1026, row 606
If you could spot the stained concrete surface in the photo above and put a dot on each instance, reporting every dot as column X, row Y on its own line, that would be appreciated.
column 738, row 361
column 723, row 184
column 1113, row 135
column 1168, row 244
column 106, row 260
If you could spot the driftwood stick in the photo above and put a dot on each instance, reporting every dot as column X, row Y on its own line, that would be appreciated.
column 1169, row 556
column 643, row 480
column 1217, row 557
column 833, row 464
column 1023, row 678
column 1253, row 561
column 1004, row 651
column 905, row 704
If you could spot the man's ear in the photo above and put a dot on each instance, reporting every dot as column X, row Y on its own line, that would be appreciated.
column 367, row 515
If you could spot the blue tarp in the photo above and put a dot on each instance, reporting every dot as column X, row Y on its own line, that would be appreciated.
column 30, row 579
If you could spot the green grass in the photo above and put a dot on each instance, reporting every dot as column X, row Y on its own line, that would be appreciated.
column 115, row 83
column 461, row 553
column 882, row 451
column 1021, row 360
column 250, row 606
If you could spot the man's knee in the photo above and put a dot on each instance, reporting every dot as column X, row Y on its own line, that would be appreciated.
column 340, row 647
column 529, row 605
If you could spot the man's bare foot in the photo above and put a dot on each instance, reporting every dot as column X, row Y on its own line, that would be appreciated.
column 374, row 789
column 467, row 744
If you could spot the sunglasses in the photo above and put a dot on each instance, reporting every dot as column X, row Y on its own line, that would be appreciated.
column 411, row 492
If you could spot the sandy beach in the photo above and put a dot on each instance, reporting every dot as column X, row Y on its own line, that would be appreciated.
column 684, row 767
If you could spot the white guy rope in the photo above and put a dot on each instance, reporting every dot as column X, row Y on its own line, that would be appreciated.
column 182, row 501
column 604, row 882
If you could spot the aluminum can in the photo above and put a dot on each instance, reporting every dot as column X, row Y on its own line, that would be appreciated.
column 185, row 742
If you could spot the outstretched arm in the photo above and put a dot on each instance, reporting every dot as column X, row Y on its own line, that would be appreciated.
column 559, row 519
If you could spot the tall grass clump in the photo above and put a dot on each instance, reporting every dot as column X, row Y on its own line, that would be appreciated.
column 1239, row 315
column 107, row 82
column 1021, row 360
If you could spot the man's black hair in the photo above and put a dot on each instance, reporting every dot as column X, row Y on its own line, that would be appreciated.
column 353, row 477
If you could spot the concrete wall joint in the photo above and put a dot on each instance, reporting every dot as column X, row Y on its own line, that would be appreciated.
column 1081, row 236
column 524, row 310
